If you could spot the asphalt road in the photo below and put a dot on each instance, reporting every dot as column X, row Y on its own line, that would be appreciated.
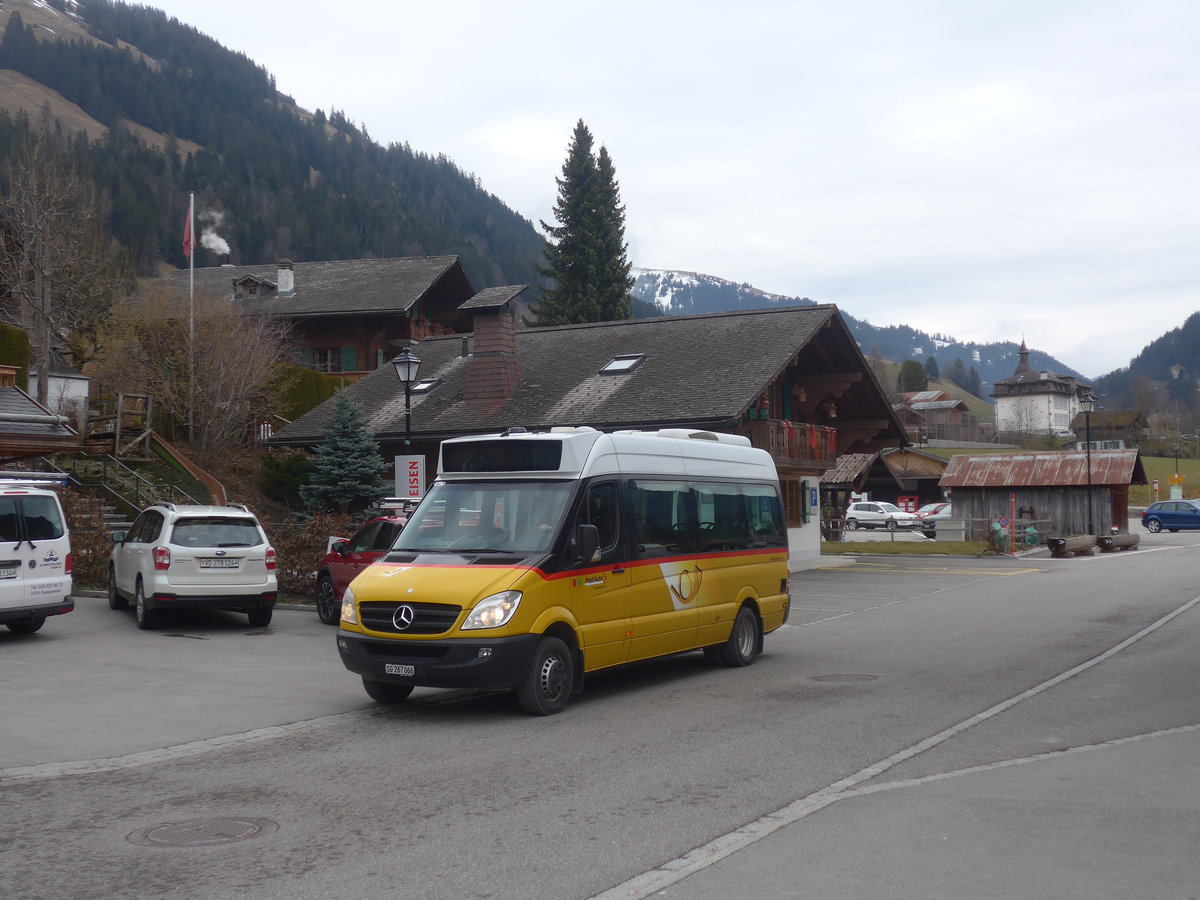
column 931, row 727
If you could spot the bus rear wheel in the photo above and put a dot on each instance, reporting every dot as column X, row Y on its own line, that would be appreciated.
column 547, row 684
column 743, row 641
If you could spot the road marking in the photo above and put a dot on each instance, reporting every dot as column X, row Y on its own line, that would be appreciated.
column 178, row 751
column 1006, row 763
column 726, row 845
column 930, row 569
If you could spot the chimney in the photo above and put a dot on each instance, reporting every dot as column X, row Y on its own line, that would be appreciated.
column 494, row 371
column 285, row 280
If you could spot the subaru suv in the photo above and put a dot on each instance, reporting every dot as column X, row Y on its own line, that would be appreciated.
column 193, row 557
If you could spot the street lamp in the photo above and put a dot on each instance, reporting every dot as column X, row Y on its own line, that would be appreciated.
column 407, row 365
column 1087, row 403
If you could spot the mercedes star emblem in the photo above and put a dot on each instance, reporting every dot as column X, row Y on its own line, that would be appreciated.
column 403, row 617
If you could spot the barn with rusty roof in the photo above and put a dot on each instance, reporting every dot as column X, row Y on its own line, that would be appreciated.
column 1060, row 493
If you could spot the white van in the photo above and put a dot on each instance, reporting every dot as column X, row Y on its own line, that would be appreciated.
column 35, row 556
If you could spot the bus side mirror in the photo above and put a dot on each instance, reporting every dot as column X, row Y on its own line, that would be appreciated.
column 587, row 543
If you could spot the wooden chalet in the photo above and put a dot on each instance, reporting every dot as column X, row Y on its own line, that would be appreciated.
column 349, row 317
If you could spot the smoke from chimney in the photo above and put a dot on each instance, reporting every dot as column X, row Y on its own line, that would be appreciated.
column 210, row 221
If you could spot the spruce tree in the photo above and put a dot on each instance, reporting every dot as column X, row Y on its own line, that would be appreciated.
column 348, row 472
column 913, row 377
column 931, row 367
column 614, row 280
column 586, row 259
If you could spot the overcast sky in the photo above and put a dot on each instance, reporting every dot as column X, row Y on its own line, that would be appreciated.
column 992, row 169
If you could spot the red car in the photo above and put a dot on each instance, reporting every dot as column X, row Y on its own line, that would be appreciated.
column 346, row 558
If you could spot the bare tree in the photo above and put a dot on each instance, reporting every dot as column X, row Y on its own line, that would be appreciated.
column 237, row 360
column 59, row 272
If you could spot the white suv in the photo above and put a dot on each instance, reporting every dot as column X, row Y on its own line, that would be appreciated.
column 193, row 557
column 872, row 514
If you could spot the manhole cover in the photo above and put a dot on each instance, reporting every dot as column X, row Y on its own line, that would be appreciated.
column 202, row 832
column 844, row 679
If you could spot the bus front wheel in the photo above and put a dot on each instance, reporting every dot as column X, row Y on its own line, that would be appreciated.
column 547, row 684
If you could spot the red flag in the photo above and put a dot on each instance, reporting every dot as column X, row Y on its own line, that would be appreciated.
column 189, row 239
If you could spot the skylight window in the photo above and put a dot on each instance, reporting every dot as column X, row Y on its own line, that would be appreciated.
column 623, row 365
column 425, row 385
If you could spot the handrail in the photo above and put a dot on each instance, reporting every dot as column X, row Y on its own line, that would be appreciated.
column 215, row 487
column 153, row 490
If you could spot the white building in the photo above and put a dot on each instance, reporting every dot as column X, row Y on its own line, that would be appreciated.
column 1037, row 402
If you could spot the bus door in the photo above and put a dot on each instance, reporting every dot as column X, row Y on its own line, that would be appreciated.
column 600, row 590
column 666, row 580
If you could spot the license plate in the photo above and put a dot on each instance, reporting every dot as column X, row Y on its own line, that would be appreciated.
column 10, row 572
column 219, row 563
column 397, row 669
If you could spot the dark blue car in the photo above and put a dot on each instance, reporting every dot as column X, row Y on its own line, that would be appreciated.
column 1171, row 515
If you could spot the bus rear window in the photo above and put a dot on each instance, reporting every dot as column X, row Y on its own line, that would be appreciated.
column 502, row 456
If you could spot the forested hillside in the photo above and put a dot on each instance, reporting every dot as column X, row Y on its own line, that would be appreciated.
column 285, row 183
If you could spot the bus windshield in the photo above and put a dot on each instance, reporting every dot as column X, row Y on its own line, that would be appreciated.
column 502, row 516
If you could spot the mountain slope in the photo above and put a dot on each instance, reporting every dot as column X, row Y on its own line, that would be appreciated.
column 684, row 293
column 283, row 183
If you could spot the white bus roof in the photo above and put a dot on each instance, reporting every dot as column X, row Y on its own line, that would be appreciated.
column 586, row 452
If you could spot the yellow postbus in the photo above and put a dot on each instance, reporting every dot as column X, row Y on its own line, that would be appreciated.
column 537, row 558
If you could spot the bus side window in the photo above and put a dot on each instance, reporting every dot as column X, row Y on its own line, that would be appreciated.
column 599, row 508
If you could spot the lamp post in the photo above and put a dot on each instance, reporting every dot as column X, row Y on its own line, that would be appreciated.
column 407, row 365
column 1087, row 403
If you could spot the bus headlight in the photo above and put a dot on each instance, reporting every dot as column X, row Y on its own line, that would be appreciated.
column 493, row 611
column 349, row 616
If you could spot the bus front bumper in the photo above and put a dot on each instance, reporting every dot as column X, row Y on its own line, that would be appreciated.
column 494, row 664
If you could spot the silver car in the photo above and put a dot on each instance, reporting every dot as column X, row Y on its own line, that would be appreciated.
column 193, row 557
column 875, row 514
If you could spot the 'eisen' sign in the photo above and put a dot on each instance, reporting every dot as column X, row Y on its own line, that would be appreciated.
column 410, row 477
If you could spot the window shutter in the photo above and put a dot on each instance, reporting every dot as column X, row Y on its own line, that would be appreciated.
column 306, row 358
column 349, row 359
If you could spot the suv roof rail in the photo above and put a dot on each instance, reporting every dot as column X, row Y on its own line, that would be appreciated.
column 241, row 506
column 166, row 504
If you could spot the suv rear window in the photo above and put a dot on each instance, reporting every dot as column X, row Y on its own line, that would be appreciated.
column 216, row 531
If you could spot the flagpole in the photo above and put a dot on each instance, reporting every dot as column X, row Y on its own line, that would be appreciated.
column 191, row 230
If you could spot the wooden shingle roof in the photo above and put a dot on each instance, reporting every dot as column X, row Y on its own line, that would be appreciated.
column 333, row 287
column 698, row 371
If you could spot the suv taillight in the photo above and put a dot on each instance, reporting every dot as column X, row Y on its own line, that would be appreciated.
column 162, row 559
column 270, row 559
column 69, row 563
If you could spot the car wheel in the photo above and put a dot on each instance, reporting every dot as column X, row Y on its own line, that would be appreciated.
column 261, row 617
column 146, row 617
column 891, row 524
column 329, row 610
column 27, row 626
column 743, row 640
column 1154, row 526
column 547, row 684
column 115, row 600
column 852, row 524
column 386, row 691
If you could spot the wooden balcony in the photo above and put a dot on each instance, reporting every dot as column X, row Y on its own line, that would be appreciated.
column 794, row 445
